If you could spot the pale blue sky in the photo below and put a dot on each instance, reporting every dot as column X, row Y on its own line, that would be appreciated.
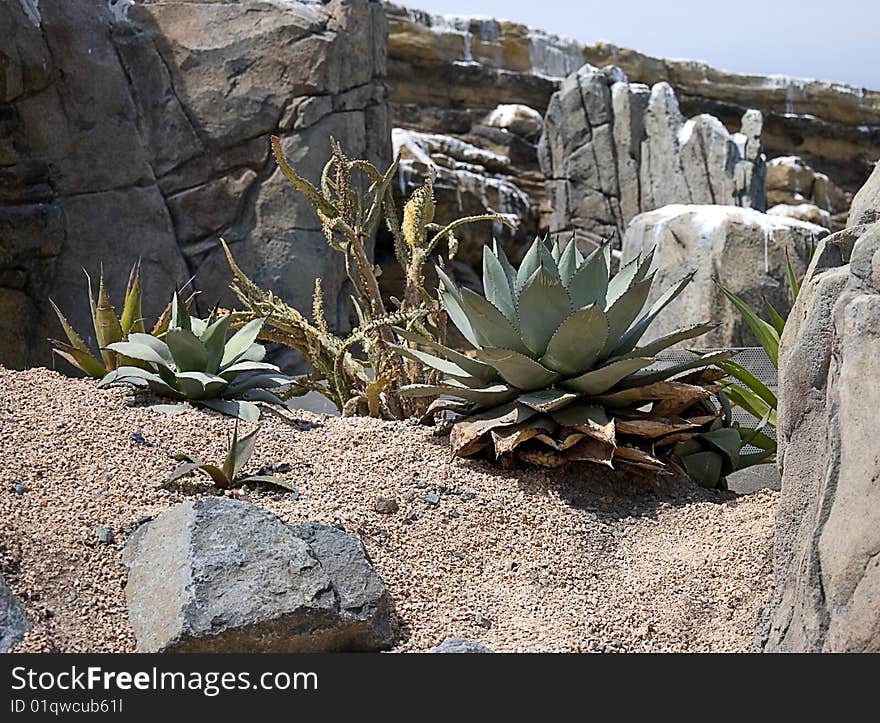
column 835, row 40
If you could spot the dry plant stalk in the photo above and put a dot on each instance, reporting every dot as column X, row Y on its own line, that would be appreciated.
column 361, row 373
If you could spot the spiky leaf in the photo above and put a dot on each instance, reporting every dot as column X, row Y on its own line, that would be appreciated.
column 517, row 369
column 577, row 342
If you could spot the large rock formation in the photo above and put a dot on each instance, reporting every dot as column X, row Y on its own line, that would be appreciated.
column 866, row 204
column 795, row 189
column 833, row 126
column 141, row 129
column 828, row 532
column 220, row 576
column 14, row 624
column 611, row 150
column 743, row 249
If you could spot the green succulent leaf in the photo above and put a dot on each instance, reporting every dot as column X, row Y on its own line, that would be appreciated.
column 704, row 468
column 530, row 264
column 473, row 367
column 82, row 360
column 240, row 342
column 632, row 337
column 679, row 335
column 490, row 327
column 623, row 312
column 452, row 302
column 569, row 261
column 547, row 400
column 157, row 345
column 576, row 344
column 699, row 361
column 542, row 306
column 496, row 286
column 517, row 369
column 188, row 352
column 180, row 318
column 246, row 411
column 198, row 385
column 448, row 368
column 775, row 318
column 737, row 371
column 589, row 284
column 580, row 413
column 269, row 479
column 725, row 440
column 599, row 381
column 498, row 251
column 184, row 470
column 141, row 352
column 622, row 280
column 484, row 396
column 214, row 340
column 752, row 403
column 132, row 316
column 765, row 333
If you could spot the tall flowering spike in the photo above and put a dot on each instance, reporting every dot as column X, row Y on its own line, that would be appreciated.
column 418, row 213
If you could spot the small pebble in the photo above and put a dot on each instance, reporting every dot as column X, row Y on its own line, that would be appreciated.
column 19, row 488
column 385, row 505
column 431, row 498
column 104, row 535
column 482, row 621
column 139, row 438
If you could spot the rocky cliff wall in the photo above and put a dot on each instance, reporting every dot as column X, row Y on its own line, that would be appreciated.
column 140, row 129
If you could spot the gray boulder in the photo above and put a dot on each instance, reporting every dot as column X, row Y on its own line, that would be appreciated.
column 865, row 206
column 219, row 575
column 460, row 645
column 611, row 149
column 14, row 624
column 142, row 129
column 828, row 532
column 741, row 248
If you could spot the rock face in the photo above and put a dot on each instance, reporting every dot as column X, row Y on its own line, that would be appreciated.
column 793, row 186
column 827, row 541
column 14, row 624
column 743, row 249
column 611, row 150
column 866, row 204
column 141, row 129
column 828, row 525
column 219, row 575
column 834, row 127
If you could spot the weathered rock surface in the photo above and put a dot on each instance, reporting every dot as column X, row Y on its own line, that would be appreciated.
column 219, row 575
column 866, row 203
column 792, row 186
column 611, row 150
column 743, row 249
column 141, row 129
column 834, row 127
column 14, row 624
column 827, row 542
column 460, row 645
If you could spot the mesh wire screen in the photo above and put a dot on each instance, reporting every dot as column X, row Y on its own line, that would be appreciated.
column 753, row 358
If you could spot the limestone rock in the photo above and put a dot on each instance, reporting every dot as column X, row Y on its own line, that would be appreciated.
column 141, row 129
column 516, row 118
column 866, row 203
column 828, row 531
column 743, row 249
column 792, row 182
column 218, row 575
column 832, row 126
column 460, row 645
column 611, row 150
column 469, row 181
column 803, row 212
column 14, row 624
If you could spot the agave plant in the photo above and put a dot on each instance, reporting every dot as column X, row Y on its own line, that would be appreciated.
column 109, row 327
column 556, row 373
column 195, row 363
column 226, row 476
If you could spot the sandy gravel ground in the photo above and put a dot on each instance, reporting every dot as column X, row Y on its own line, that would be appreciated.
column 519, row 561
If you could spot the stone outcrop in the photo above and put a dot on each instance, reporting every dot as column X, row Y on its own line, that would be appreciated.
column 795, row 189
column 833, row 126
column 219, row 575
column 141, row 129
column 743, row 249
column 14, row 624
column 611, row 150
column 866, row 203
column 828, row 526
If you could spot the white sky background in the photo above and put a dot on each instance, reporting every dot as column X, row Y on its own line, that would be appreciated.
column 836, row 40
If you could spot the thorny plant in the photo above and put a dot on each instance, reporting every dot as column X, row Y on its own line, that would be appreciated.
column 361, row 373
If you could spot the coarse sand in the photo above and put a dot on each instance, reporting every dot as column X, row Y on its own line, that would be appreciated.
column 518, row 560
